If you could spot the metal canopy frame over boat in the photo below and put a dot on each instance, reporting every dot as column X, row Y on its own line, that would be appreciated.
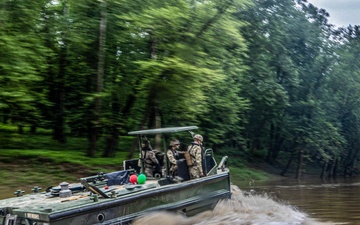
column 163, row 130
column 142, row 135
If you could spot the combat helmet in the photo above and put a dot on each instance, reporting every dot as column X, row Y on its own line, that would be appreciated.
column 198, row 137
column 174, row 142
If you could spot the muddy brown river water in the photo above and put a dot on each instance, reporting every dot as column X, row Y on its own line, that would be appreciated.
column 327, row 200
column 281, row 202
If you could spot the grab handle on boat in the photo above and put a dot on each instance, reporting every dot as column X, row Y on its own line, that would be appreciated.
column 223, row 163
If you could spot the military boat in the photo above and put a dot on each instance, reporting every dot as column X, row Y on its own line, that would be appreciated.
column 110, row 198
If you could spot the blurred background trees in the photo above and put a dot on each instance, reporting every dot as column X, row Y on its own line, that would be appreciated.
column 268, row 79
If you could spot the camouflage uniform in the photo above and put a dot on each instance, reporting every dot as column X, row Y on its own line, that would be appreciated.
column 195, row 170
column 173, row 156
column 150, row 161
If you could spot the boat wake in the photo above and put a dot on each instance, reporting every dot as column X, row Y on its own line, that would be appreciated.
column 241, row 209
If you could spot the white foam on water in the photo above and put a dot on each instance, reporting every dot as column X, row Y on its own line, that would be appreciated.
column 241, row 209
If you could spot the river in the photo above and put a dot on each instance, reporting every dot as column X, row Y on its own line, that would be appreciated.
column 324, row 199
column 281, row 202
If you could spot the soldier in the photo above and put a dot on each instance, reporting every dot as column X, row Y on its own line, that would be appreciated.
column 149, row 158
column 195, row 151
column 173, row 156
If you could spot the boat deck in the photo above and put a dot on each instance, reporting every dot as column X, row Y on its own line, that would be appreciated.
column 45, row 202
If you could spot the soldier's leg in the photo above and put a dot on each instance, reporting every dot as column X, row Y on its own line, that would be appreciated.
column 194, row 173
column 148, row 172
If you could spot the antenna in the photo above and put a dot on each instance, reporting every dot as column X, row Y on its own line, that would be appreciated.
column 192, row 133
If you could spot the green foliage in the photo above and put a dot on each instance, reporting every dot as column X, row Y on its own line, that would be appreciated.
column 37, row 159
column 22, row 60
column 14, row 145
column 245, row 176
column 260, row 76
column 63, row 156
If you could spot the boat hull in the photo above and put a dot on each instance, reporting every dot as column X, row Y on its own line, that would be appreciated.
column 189, row 197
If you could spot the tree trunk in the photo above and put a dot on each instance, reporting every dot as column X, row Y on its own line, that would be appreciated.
column 275, row 145
column 323, row 171
column 33, row 129
column 335, row 167
column 96, row 123
column 20, row 129
column 112, row 140
column 92, row 136
column 349, row 162
column 284, row 171
column 59, row 123
column 300, row 163
column 101, row 59
column 59, row 106
column 157, row 121
column 270, row 153
column 332, row 171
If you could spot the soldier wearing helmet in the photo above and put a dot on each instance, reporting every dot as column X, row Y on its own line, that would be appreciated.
column 198, row 137
column 195, row 150
column 173, row 156
column 149, row 158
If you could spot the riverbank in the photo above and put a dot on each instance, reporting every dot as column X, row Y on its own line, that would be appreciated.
column 28, row 160
column 19, row 173
column 21, row 170
column 25, row 169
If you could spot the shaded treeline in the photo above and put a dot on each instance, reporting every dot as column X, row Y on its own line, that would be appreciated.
column 271, row 78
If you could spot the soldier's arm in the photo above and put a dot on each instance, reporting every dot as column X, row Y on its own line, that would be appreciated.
column 171, row 157
column 153, row 158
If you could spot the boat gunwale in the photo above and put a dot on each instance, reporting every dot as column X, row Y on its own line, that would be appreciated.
column 111, row 202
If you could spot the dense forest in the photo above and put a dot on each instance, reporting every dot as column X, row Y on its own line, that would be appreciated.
column 268, row 78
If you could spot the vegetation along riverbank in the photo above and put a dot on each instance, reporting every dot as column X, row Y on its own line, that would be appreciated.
column 35, row 159
column 28, row 159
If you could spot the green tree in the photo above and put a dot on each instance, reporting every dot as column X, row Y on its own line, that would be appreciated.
column 21, row 63
column 344, row 97
column 288, row 51
column 181, row 65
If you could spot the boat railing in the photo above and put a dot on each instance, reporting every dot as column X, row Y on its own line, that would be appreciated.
column 209, row 165
column 99, row 177
column 223, row 164
column 132, row 164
